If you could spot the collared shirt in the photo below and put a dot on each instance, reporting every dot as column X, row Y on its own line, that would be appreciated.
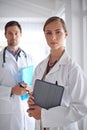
column 15, row 54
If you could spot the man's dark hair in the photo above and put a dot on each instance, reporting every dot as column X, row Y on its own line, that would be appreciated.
column 13, row 23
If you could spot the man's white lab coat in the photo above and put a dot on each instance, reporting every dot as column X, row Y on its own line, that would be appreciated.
column 13, row 115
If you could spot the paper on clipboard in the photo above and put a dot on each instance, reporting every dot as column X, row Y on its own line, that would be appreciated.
column 47, row 95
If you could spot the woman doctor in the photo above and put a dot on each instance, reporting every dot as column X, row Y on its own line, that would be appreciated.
column 60, row 67
column 13, row 115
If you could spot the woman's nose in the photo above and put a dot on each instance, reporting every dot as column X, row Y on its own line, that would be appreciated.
column 53, row 36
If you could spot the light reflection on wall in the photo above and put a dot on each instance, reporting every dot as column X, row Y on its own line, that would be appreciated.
column 33, row 42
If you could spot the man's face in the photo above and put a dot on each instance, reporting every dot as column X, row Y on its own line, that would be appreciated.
column 13, row 35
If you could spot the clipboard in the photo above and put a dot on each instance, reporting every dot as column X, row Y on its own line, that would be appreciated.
column 46, row 94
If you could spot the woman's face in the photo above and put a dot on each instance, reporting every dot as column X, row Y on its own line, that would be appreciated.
column 55, row 34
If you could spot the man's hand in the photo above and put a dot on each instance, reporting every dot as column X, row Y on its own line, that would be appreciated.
column 19, row 90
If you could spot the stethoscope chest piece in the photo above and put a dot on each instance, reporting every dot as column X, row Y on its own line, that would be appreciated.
column 3, row 64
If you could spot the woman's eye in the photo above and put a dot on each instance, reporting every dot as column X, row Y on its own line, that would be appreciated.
column 16, row 34
column 58, row 32
column 48, row 33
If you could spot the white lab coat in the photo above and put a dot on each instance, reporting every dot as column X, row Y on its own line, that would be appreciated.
column 13, row 115
column 74, row 101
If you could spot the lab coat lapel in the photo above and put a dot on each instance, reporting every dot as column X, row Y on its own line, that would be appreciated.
column 44, row 66
column 62, row 61
column 55, row 68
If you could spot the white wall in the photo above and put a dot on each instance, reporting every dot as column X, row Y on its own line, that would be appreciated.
column 73, row 10
column 77, row 33
column 33, row 41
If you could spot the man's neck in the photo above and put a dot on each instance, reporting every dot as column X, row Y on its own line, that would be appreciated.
column 14, row 49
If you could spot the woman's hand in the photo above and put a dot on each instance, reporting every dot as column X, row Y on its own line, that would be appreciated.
column 34, row 110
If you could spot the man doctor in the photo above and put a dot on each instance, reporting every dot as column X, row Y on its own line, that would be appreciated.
column 13, row 114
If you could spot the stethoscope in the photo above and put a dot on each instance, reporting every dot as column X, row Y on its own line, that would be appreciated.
column 4, row 54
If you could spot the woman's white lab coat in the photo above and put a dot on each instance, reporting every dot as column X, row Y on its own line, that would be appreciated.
column 13, row 115
column 74, row 100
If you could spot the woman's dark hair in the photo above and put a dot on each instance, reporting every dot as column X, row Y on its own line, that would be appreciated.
column 55, row 18
column 13, row 23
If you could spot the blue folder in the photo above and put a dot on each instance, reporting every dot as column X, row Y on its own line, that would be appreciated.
column 26, row 76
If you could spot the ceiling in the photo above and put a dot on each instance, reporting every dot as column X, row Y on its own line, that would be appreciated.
column 30, row 8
